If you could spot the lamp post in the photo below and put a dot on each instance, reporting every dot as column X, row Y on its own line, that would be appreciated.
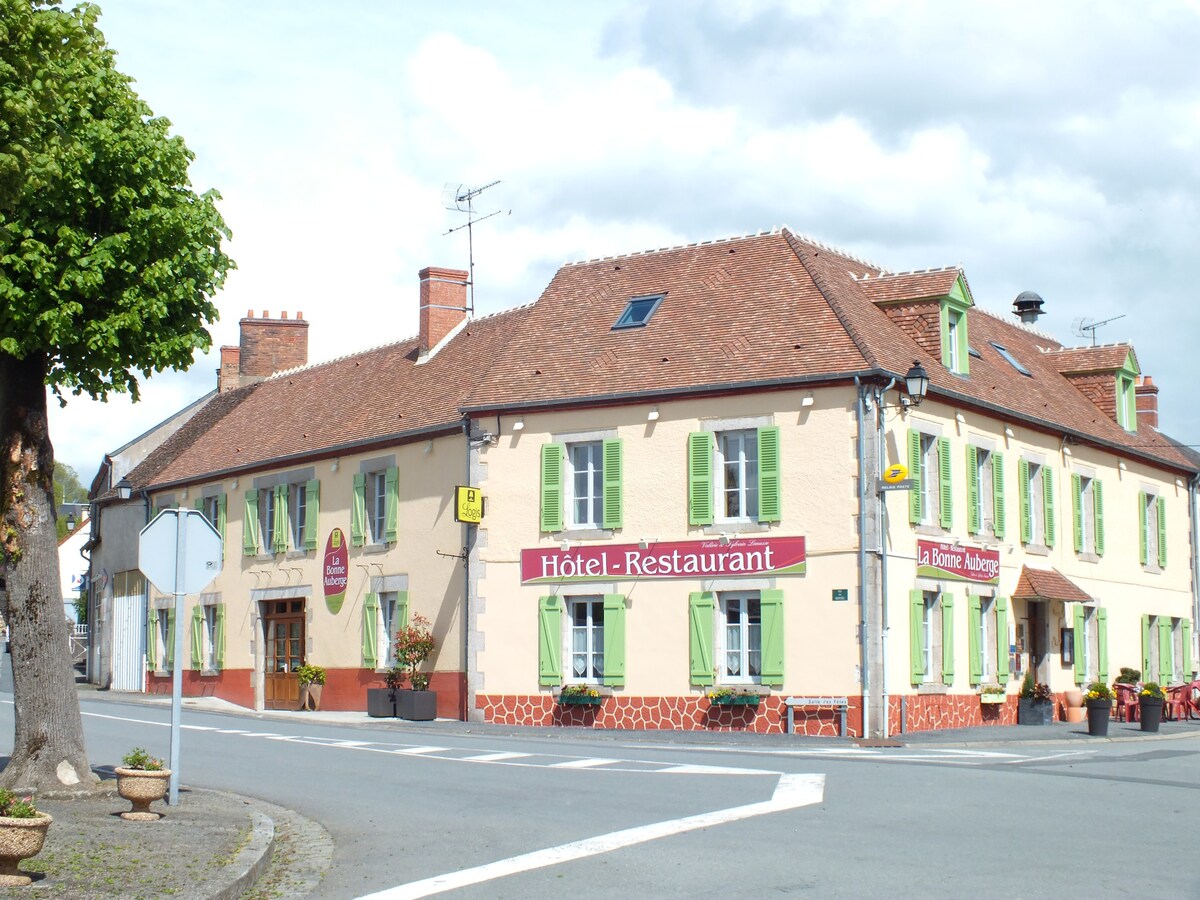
column 124, row 489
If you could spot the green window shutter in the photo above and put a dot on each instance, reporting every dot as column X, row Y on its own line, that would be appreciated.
column 199, row 505
column 1143, row 535
column 974, row 523
column 1077, row 509
column 549, row 641
column 1102, row 644
column 1165, row 674
column 370, row 631
column 1002, row 639
column 947, row 603
column 250, row 525
column 1077, row 623
column 1145, row 646
column 219, row 636
column 1048, row 505
column 401, row 612
column 1161, row 504
column 915, row 510
column 196, row 636
column 391, row 482
column 169, row 653
column 312, row 514
column 280, row 525
column 614, row 639
column 358, row 511
column 700, row 494
column 771, row 605
column 151, row 638
column 552, row 487
column 946, row 497
column 1026, row 515
column 998, row 494
column 613, row 500
column 916, row 636
column 944, row 325
column 221, row 517
column 701, row 607
column 974, row 651
column 1098, row 503
column 768, row 474
column 1185, row 628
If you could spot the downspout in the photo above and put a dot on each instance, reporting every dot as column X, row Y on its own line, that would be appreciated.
column 1194, row 511
column 468, row 546
column 883, row 558
column 863, row 630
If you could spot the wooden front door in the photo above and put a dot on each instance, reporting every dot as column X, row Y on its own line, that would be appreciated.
column 283, row 625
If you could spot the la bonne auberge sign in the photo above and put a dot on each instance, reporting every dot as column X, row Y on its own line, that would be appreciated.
column 670, row 559
column 953, row 563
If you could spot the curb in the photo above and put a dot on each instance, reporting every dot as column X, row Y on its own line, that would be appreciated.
column 253, row 859
column 1082, row 740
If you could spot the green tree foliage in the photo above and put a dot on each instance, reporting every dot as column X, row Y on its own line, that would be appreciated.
column 108, row 265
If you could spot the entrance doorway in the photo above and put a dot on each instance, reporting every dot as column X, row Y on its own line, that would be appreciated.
column 1038, row 637
column 283, row 629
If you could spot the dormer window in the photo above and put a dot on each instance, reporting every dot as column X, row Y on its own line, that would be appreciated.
column 638, row 312
column 1126, row 402
column 956, row 350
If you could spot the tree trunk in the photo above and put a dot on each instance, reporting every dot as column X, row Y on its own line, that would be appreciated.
column 48, row 752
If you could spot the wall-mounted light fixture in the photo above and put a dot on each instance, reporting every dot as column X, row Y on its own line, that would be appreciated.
column 1008, row 432
column 1121, row 465
column 808, row 399
column 519, row 425
column 564, row 546
column 652, row 416
column 1067, row 451
column 644, row 543
column 124, row 489
column 334, row 467
column 960, row 418
column 724, row 539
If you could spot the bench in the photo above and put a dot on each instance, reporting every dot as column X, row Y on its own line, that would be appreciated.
column 841, row 704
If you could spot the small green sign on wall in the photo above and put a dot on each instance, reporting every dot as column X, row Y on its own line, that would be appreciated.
column 841, row 594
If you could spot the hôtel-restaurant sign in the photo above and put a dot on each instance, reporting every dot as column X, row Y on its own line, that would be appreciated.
column 957, row 563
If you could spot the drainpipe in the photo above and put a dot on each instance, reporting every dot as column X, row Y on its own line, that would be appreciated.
column 1194, row 511
column 468, row 546
column 883, row 559
column 863, row 630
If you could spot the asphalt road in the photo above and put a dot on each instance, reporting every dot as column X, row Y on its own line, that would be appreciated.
column 491, row 815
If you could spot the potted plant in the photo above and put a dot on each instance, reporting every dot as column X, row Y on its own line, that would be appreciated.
column 731, row 697
column 1035, row 705
column 1128, row 676
column 992, row 693
column 312, row 683
column 1150, row 706
column 141, row 779
column 22, row 834
column 1099, row 699
column 579, row 695
column 414, row 644
column 381, row 702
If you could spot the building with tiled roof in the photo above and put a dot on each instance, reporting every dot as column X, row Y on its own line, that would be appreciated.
column 708, row 502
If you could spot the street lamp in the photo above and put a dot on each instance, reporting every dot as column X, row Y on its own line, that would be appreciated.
column 124, row 489
column 70, row 522
column 916, row 383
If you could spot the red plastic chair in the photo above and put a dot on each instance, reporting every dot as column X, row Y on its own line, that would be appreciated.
column 1176, row 704
column 1127, row 703
column 1191, row 696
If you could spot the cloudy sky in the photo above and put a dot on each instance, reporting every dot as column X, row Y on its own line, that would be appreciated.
column 1051, row 147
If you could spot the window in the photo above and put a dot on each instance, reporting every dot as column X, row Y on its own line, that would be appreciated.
column 266, row 517
column 297, row 513
column 1166, row 649
column 931, row 634
column 930, row 501
column 1010, row 359
column 1152, row 519
column 1126, row 402
column 1037, row 503
column 592, row 634
column 374, row 507
column 638, row 312
column 586, row 639
column 585, row 483
column 956, row 353
column 1089, row 636
column 586, row 478
column 207, row 637
column 741, row 633
column 1088, row 510
column 987, row 639
column 384, row 614
column 166, row 638
column 985, row 491
column 210, row 638
column 733, row 476
column 952, row 340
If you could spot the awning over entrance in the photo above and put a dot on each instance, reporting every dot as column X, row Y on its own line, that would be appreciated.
column 1043, row 584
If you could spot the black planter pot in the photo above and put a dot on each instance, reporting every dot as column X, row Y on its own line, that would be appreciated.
column 1150, row 713
column 381, row 703
column 1034, row 712
column 1098, row 713
column 416, row 706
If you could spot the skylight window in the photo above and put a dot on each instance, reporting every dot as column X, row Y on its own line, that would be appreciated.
column 974, row 354
column 1010, row 359
column 638, row 312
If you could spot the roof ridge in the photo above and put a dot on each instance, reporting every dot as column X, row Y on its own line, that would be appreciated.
column 686, row 246
column 930, row 271
column 1126, row 344
column 824, row 245
column 1006, row 318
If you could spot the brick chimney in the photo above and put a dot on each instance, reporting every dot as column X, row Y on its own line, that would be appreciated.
column 267, row 346
column 443, row 304
column 1147, row 402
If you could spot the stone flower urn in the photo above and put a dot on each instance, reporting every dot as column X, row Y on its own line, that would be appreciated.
column 141, row 787
column 20, row 839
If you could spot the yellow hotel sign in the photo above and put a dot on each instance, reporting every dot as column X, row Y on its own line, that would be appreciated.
column 468, row 504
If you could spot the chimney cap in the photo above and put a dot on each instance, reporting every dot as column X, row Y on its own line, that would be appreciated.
column 1028, row 306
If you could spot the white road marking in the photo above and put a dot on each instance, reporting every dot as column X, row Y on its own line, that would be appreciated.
column 791, row 792
column 419, row 751
column 494, row 757
column 586, row 763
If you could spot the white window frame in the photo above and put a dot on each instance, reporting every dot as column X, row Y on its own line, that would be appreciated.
column 1176, row 643
column 211, row 509
column 987, row 490
column 1151, row 501
column 931, row 636
column 266, row 519
column 594, row 472
column 1087, row 513
column 931, row 480
column 209, row 638
column 589, row 634
column 746, row 465
column 987, row 639
column 164, row 639
column 1037, row 504
column 749, row 637
column 386, row 629
column 953, row 318
column 297, row 513
column 376, row 506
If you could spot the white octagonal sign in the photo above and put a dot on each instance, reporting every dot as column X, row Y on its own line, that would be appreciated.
column 183, row 543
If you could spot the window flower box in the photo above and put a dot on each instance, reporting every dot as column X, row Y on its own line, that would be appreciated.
column 579, row 695
column 727, row 697
column 992, row 698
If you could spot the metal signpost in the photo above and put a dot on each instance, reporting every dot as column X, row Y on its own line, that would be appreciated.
column 179, row 552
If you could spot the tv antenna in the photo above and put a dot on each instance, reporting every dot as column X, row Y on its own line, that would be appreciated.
column 1084, row 327
column 461, row 199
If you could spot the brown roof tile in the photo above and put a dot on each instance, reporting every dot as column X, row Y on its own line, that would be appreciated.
column 1040, row 584
column 1106, row 358
column 901, row 286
